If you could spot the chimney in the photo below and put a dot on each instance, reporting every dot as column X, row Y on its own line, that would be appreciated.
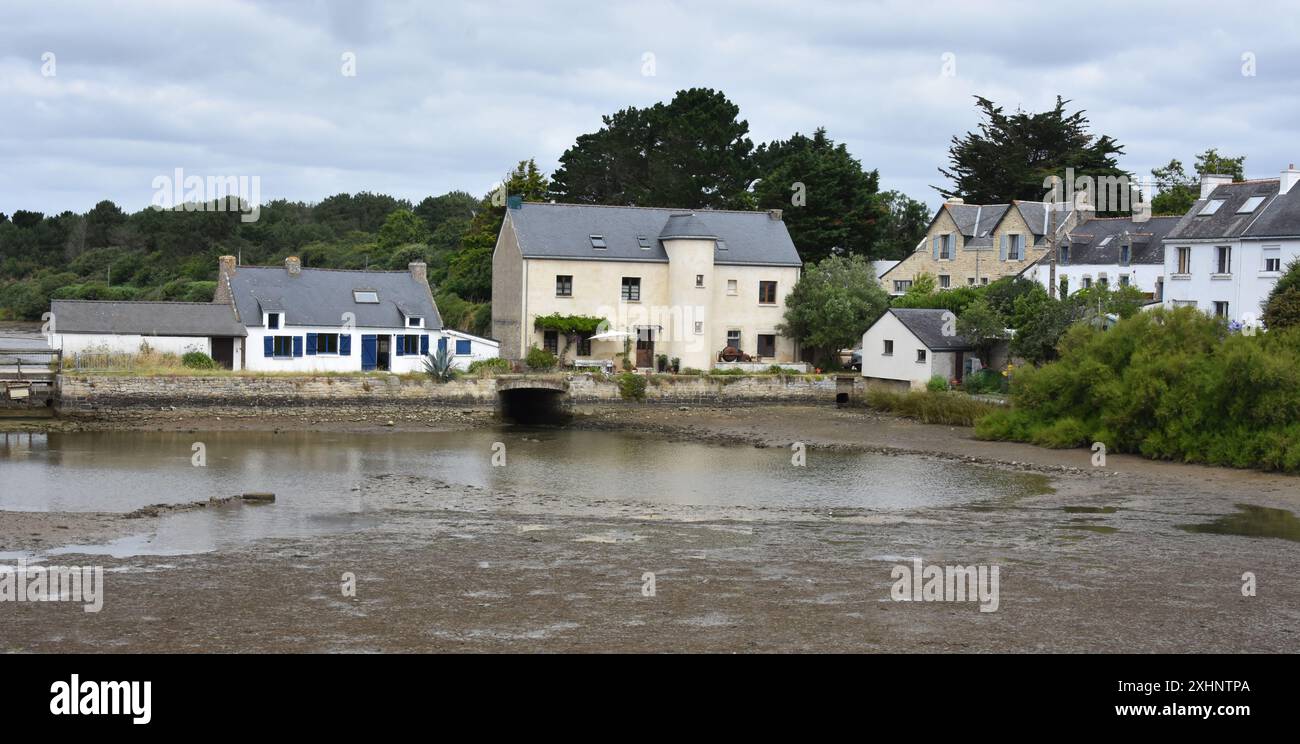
column 226, row 266
column 1211, row 181
column 1289, row 178
column 954, row 200
column 293, row 265
column 419, row 271
column 774, row 214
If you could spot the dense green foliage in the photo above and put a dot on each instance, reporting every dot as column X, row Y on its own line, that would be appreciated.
column 198, row 360
column 1174, row 385
column 539, row 359
column 631, row 386
column 1178, row 191
column 493, row 366
column 572, row 327
column 1282, row 306
column 831, row 305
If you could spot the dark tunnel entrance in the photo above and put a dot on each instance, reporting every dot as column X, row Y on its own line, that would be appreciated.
column 533, row 406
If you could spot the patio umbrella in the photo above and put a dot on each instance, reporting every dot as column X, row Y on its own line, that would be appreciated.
column 608, row 335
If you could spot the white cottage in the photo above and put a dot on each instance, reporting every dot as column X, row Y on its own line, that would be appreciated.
column 102, row 327
column 906, row 347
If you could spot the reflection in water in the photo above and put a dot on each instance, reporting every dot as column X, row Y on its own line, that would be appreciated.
column 1252, row 521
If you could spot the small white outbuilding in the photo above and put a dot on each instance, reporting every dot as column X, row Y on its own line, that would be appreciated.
column 905, row 347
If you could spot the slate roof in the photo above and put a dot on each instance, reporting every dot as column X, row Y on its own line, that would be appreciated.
column 1089, row 245
column 927, row 325
column 145, row 318
column 975, row 221
column 1281, row 217
column 1226, row 223
column 320, row 297
column 564, row 231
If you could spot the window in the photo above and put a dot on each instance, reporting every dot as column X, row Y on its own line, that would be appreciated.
column 945, row 281
column 463, row 346
column 1065, row 254
column 414, row 321
column 365, row 296
column 1250, row 205
column 984, row 280
column 1211, row 207
column 1223, row 259
column 945, row 246
column 1103, row 281
column 902, row 285
column 1220, row 309
column 327, row 343
column 282, row 346
column 631, row 289
column 563, row 285
column 731, row 286
column 889, row 347
column 766, row 345
column 733, row 339
column 410, row 344
column 767, row 293
column 1184, row 303
column 1160, row 288
column 644, row 242
column 722, row 245
column 598, row 242
column 699, row 327
column 1125, row 253
column 1184, row 260
column 699, row 280
column 551, row 341
column 1123, row 280
column 273, row 321
column 1087, row 282
column 584, row 344
column 1273, row 259
column 970, row 280
column 1015, row 243
column 920, row 356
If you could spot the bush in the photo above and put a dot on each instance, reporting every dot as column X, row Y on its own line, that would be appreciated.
column 198, row 360
column 728, row 371
column 540, row 359
column 489, row 367
column 1173, row 385
column 631, row 386
column 954, row 409
column 984, row 381
column 937, row 384
column 691, row 371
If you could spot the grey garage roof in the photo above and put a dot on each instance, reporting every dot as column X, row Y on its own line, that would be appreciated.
column 927, row 325
column 321, row 297
column 1098, row 240
column 565, row 231
column 1225, row 222
column 145, row 318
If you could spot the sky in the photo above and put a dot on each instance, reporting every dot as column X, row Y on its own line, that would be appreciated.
column 315, row 97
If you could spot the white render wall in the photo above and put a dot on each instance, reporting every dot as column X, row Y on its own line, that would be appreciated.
column 1244, row 289
column 479, row 348
column 902, row 365
column 75, row 343
column 1143, row 276
column 256, row 360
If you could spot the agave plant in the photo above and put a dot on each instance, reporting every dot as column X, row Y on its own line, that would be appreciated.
column 438, row 365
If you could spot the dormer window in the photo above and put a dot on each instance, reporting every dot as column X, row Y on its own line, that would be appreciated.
column 365, row 296
column 414, row 321
column 1124, row 254
column 273, row 321
column 1065, row 254
column 598, row 242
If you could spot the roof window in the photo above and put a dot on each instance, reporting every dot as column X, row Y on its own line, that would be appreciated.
column 1211, row 207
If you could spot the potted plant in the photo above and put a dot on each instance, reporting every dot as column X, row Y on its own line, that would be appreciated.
column 676, row 365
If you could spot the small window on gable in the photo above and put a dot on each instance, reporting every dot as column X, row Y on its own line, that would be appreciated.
column 644, row 242
column 1250, row 205
column 1211, row 207
column 598, row 242
column 273, row 321
column 414, row 322
column 920, row 356
column 365, row 296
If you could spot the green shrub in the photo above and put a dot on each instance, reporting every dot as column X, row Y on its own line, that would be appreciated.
column 937, row 384
column 198, row 360
column 984, row 381
column 539, row 359
column 691, row 371
column 735, row 371
column 954, row 409
column 486, row 367
column 631, row 386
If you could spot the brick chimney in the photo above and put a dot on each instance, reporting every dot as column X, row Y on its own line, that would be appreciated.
column 1211, row 181
column 293, row 265
column 226, row 267
column 774, row 214
column 419, row 271
column 1289, row 178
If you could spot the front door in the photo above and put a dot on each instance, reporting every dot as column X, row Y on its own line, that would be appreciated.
column 645, row 347
column 381, row 358
column 223, row 352
column 369, row 352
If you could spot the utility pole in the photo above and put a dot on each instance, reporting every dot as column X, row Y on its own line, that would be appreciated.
column 1051, row 237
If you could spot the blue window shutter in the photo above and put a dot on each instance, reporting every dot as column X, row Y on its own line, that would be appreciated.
column 268, row 346
column 297, row 346
column 462, row 346
column 311, row 344
column 401, row 344
column 345, row 344
column 934, row 244
column 424, row 343
column 442, row 343
column 1002, row 248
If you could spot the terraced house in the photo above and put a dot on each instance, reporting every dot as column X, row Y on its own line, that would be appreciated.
column 975, row 244
column 1109, row 251
column 669, row 282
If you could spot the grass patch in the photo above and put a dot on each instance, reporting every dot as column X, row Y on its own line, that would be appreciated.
column 931, row 407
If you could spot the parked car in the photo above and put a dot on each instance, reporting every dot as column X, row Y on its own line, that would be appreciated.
column 855, row 360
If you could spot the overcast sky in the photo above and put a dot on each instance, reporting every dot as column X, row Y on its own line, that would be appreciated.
column 449, row 95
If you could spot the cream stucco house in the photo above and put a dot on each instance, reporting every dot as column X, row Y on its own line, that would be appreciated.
column 673, row 282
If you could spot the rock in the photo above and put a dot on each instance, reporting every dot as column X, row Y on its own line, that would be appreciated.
column 259, row 497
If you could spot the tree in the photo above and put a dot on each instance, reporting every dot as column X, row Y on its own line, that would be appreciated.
column 104, row 218
column 1282, row 306
column 983, row 327
column 1011, row 155
column 401, row 227
column 832, row 305
column 831, row 204
column 690, row 153
column 1178, row 191
column 906, row 221
column 469, row 273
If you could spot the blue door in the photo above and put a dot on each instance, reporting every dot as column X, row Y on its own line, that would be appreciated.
column 369, row 352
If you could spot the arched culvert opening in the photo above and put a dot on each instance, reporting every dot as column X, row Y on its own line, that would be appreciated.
column 533, row 406
column 841, row 400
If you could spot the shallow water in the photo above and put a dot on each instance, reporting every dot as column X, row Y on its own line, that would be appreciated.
column 313, row 475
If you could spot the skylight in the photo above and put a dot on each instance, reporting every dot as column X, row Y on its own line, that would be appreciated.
column 644, row 242
column 722, row 245
column 598, row 241
column 1105, row 240
column 365, row 296
column 1251, row 205
column 1211, row 207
